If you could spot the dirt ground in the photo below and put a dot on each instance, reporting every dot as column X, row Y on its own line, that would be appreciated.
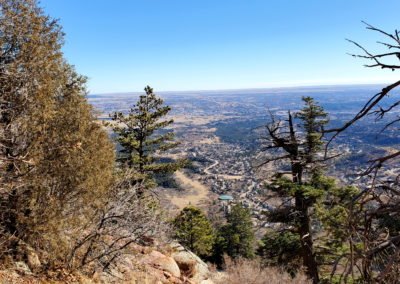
column 194, row 193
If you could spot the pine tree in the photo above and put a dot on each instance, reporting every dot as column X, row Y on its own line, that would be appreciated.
column 308, row 184
column 194, row 231
column 237, row 236
column 340, row 217
column 282, row 249
column 144, row 137
column 313, row 119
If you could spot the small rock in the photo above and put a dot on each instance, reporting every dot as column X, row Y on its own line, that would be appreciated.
column 33, row 260
column 208, row 281
column 22, row 267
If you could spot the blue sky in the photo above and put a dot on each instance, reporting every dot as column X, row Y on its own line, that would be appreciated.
column 123, row 45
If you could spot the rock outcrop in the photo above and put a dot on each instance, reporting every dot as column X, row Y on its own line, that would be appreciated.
column 162, row 262
column 173, row 264
column 190, row 264
column 176, row 265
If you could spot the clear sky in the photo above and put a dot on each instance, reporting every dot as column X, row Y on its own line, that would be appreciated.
column 123, row 45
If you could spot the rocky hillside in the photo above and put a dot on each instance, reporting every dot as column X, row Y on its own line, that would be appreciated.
column 167, row 264
column 170, row 264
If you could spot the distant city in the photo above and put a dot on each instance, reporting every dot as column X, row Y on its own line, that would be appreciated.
column 221, row 133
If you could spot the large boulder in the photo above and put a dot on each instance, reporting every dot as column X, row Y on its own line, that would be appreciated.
column 190, row 264
column 163, row 262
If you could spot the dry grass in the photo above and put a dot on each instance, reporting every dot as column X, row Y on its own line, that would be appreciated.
column 250, row 272
column 197, row 192
column 62, row 277
column 196, row 119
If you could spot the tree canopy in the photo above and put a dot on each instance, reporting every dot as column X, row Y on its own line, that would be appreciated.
column 301, row 146
column 237, row 236
column 144, row 136
column 194, row 231
column 55, row 157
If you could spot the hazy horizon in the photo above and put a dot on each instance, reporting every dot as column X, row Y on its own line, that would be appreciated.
column 254, row 90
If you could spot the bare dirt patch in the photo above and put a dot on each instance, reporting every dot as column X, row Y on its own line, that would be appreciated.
column 194, row 192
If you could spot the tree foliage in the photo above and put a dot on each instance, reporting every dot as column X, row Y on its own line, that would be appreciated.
column 194, row 231
column 144, row 136
column 56, row 159
column 301, row 146
column 236, row 238
column 282, row 249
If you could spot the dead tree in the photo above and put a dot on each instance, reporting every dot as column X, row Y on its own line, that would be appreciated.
column 372, row 106
column 379, row 203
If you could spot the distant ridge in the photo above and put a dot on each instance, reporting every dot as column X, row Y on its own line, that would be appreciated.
column 297, row 89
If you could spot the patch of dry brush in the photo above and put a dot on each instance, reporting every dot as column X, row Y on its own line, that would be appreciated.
column 250, row 271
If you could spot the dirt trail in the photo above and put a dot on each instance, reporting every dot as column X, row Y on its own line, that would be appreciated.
column 207, row 170
column 196, row 191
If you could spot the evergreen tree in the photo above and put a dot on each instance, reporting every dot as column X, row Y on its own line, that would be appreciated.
column 340, row 216
column 57, row 162
column 194, row 231
column 281, row 249
column 144, row 138
column 237, row 237
column 313, row 119
column 300, row 146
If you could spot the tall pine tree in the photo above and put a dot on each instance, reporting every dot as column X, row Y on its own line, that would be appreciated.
column 301, row 147
column 144, row 137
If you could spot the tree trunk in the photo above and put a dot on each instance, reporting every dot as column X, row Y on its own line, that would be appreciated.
column 305, row 233
column 307, row 245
